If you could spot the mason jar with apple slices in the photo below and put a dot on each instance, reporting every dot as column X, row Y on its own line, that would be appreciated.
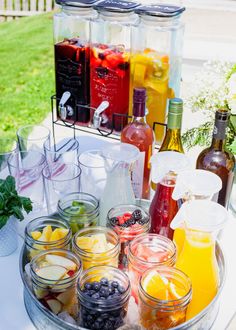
column 54, row 275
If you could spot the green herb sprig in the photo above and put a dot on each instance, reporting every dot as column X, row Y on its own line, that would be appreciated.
column 10, row 202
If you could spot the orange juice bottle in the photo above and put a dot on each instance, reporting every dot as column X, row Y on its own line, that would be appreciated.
column 202, row 219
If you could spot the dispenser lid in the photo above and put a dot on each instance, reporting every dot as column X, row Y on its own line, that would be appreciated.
column 166, row 161
column 76, row 3
column 121, row 152
column 202, row 215
column 160, row 10
column 196, row 182
column 120, row 6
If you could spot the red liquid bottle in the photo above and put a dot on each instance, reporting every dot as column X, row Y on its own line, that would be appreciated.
column 140, row 134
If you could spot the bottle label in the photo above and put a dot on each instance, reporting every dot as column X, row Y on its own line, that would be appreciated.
column 137, row 175
column 219, row 131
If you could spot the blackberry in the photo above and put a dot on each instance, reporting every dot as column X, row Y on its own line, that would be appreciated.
column 137, row 215
column 124, row 66
column 114, row 221
column 125, row 224
column 132, row 221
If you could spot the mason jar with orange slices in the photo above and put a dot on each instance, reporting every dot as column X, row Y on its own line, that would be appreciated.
column 164, row 295
column 96, row 246
column 46, row 233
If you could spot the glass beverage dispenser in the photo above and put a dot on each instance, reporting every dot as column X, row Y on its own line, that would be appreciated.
column 157, row 44
column 72, row 54
column 110, row 61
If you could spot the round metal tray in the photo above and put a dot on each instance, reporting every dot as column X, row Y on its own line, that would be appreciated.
column 43, row 319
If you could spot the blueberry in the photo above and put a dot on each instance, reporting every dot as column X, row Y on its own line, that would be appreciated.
column 96, row 286
column 108, row 325
column 102, row 298
column 121, row 289
column 137, row 214
column 88, row 286
column 115, row 284
column 96, row 295
column 111, row 290
column 104, row 281
column 96, row 325
column 104, row 292
column 104, row 316
column 89, row 318
column 90, row 292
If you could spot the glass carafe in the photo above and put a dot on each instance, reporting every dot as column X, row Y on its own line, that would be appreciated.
column 72, row 69
column 164, row 169
column 157, row 44
column 110, row 61
column 202, row 219
column 191, row 185
column 119, row 158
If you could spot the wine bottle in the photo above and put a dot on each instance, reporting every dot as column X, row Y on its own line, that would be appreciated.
column 172, row 140
column 217, row 159
column 141, row 135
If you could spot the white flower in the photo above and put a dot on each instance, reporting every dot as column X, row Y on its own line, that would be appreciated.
column 232, row 104
column 232, row 84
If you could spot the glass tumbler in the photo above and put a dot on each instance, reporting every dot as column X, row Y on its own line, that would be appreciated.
column 7, row 147
column 97, row 246
column 65, row 181
column 26, row 167
column 155, row 313
column 46, row 233
column 32, row 137
column 93, row 177
column 103, row 294
column 79, row 210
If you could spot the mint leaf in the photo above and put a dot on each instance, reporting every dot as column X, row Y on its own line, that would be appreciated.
column 3, row 220
column 10, row 184
column 26, row 203
column 1, row 201
column 17, row 213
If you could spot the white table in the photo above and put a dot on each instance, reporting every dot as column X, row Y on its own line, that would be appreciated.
column 13, row 315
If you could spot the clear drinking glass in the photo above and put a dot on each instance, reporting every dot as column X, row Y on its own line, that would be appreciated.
column 65, row 180
column 26, row 167
column 57, row 155
column 7, row 147
column 32, row 137
column 93, row 177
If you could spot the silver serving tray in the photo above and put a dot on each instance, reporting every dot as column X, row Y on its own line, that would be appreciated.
column 43, row 319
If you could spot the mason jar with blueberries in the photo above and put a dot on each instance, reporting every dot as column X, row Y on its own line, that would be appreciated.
column 128, row 221
column 103, row 295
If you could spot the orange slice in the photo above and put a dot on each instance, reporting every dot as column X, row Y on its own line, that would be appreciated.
column 175, row 291
column 156, row 285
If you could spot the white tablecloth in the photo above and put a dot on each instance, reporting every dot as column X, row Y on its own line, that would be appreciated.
column 13, row 315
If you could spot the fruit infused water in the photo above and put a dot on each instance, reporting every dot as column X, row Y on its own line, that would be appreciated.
column 147, row 251
column 97, row 246
column 72, row 74
column 164, row 294
column 128, row 221
column 54, row 275
column 110, row 71
column 202, row 219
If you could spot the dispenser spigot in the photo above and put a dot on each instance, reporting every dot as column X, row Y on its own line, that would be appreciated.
column 65, row 110
column 97, row 118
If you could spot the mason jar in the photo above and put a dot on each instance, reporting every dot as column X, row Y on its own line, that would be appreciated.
column 46, row 233
column 156, row 59
column 103, row 294
column 127, row 233
column 147, row 251
column 54, row 276
column 110, row 61
column 79, row 210
column 160, row 313
column 72, row 56
column 97, row 246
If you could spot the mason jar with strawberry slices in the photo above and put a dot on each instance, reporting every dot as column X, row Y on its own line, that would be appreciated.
column 128, row 221
column 147, row 251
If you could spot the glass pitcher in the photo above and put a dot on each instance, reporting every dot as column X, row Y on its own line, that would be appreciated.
column 110, row 61
column 156, row 58
column 164, row 169
column 202, row 219
column 72, row 54
column 119, row 158
column 191, row 185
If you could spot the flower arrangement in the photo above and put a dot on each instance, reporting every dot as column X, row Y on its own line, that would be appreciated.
column 215, row 87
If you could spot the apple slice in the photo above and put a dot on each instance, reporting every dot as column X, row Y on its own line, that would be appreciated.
column 52, row 273
column 54, row 305
column 60, row 261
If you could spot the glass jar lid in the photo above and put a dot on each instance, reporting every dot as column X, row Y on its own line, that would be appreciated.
column 116, row 6
column 76, row 3
column 160, row 10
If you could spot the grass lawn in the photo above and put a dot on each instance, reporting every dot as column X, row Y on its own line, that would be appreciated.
column 26, row 72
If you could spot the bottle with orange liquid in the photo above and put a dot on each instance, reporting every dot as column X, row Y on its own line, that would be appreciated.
column 202, row 219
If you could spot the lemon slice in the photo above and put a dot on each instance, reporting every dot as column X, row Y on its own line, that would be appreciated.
column 46, row 234
column 85, row 243
column 36, row 234
column 58, row 234
column 156, row 285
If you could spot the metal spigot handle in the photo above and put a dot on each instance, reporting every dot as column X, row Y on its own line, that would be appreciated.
column 63, row 110
column 97, row 118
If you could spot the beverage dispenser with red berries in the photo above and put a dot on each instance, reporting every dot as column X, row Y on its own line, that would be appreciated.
column 72, row 55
